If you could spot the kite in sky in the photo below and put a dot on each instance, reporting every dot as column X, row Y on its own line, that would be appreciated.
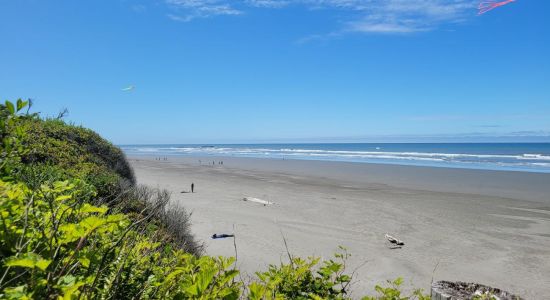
column 127, row 89
column 485, row 6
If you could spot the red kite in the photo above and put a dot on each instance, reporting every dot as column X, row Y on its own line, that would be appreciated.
column 485, row 6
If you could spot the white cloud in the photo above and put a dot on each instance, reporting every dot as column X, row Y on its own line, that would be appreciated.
column 268, row 3
column 192, row 9
column 406, row 16
column 384, row 27
column 368, row 16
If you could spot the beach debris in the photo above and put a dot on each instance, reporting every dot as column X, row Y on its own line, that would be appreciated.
column 222, row 236
column 395, row 243
column 468, row 290
column 485, row 295
column 485, row 6
column 129, row 88
column 257, row 200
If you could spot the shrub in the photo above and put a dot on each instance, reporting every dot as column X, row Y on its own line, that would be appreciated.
column 56, row 151
column 393, row 292
column 77, row 152
column 172, row 224
column 54, row 243
column 299, row 279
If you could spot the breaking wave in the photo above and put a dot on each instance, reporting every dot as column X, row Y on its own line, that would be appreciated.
column 518, row 161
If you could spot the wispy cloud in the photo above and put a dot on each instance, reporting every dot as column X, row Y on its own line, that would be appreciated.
column 187, row 10
column 405, row 16
column 139, row 8
column 268, row 3
column 478, row 118
column 489, row 126
column 366, row 16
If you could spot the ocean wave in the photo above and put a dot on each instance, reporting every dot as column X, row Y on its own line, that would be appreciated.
column 523, row 160
column 345, row 153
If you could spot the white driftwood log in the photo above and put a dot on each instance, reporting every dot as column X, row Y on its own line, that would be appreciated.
column 393, row 240
column 257, row 200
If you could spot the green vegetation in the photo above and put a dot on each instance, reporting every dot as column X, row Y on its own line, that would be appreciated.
column 76, row 152
column 73, row 225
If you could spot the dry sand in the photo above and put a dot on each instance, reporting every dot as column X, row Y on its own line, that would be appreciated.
column 488, row 227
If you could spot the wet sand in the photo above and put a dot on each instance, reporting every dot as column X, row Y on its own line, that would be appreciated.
column 490, row 227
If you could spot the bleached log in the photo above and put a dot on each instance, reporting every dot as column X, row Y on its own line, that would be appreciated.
column 257, row 200
column 394, row 241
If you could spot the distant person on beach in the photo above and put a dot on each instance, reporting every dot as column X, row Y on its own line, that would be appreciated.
column 192, row 187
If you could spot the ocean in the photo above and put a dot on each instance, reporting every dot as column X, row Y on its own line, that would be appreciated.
column 526, row 157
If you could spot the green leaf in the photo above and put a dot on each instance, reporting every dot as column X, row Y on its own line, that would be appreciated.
column 71, row 233
column 398, row 281
column 63, row 197
column 10, row 107
column 172, row 275
column 192, row 289
column 71, row 290
column 88, row 208
column 228, row 276
column 18, row 292
column 92, row 223
column 257, row 291
column 344, row 278
column 84, row 261
column 66, row 280
column 21, row 104
column 204, row 278
column 42, row 264
column 29, row 260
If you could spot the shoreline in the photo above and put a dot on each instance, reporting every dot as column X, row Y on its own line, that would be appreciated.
column 531, row 186
column 489, row 227
column 521, row 157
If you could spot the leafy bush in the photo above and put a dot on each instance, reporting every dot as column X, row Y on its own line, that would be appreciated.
column 11, row 133
column 316, row 279
column 77, row 152
column 393, row 292
column 54, row 243
column 299, row 280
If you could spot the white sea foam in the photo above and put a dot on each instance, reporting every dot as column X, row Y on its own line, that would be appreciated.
column 485, row 160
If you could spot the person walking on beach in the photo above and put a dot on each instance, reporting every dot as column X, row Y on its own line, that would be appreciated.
column 192, row 187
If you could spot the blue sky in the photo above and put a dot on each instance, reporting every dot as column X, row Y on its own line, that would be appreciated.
column 219, row 71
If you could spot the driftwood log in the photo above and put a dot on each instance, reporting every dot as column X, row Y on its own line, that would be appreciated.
column 222, row 236
column 256, row 200
column 447, row 290
column 395, row 242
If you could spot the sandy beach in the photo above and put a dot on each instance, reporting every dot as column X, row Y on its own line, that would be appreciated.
column 490, row 227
